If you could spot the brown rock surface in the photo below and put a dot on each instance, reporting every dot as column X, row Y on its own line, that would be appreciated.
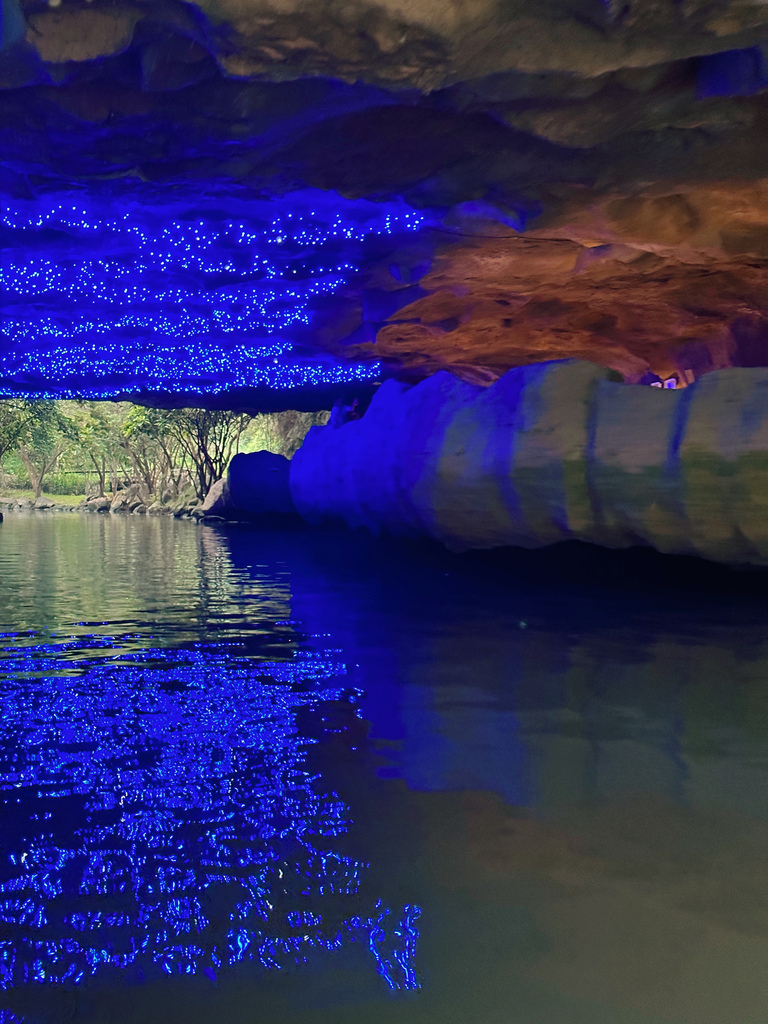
column 627, row 141
column 666, row 283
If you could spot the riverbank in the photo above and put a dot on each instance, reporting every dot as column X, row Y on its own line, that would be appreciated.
column 124, row 503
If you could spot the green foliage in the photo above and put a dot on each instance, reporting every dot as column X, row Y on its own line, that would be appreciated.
column 18, row 420
column 12, row 418
column 96, row 447
column 207, row 438
column 280, row 432
column 66, row 482
column 40, row 432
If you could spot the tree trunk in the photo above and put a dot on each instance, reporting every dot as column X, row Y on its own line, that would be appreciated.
column 35, row 478
column 101, row 472
column 114, row 476
column 37, row 473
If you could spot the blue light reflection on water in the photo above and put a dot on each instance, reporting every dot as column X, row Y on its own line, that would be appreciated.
column 159, row 816
column 580, row 805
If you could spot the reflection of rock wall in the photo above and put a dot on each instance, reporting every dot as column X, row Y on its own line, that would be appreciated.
column 606, row 690
column 552, row 452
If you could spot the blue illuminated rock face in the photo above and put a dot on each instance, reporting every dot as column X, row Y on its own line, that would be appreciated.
column 257, row 483
column 550, row 453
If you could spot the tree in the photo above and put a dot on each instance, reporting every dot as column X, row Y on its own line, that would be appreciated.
column 161, row 450
column 14, row 417
column 98, row 428
column 208, row 437
column 158, row 460
column 44, row 437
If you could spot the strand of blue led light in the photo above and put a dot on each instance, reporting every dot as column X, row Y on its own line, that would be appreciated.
column 296, row 228
column 273, row 317
column 284, row 377
column 97, row 345
column 92, row 278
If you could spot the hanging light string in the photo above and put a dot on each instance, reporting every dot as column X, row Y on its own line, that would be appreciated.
column 97, row 302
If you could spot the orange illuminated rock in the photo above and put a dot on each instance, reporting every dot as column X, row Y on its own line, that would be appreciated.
column 634, row 283
column 599, row 167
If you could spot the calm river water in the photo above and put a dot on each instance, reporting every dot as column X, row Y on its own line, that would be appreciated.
column 306, row 778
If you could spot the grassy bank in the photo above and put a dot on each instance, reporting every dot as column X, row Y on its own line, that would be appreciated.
column 58, row 499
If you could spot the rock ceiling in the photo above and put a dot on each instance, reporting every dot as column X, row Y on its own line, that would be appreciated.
column 592, row 174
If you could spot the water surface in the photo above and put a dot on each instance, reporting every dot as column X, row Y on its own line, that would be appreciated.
column 286, row 776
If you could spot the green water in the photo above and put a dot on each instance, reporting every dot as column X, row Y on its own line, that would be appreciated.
column 284, row 776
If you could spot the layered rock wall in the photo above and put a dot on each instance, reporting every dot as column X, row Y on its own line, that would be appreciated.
column 592, row 175
column 552, row 452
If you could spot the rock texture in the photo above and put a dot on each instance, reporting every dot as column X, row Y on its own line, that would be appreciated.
column 596, row 169
column 549, row 453
column 672, row 284
column 216, row 501
column 258, row 485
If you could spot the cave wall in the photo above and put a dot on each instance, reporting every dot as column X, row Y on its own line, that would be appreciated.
column 593, row 172
column 553, row 452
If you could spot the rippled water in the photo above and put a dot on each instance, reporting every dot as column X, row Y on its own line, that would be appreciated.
column 287, row 776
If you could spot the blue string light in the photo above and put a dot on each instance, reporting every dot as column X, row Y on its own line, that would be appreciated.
column 161, row 818
column 100, row 300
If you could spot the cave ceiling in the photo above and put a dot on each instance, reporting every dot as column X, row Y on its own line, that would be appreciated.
column 263, row 202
